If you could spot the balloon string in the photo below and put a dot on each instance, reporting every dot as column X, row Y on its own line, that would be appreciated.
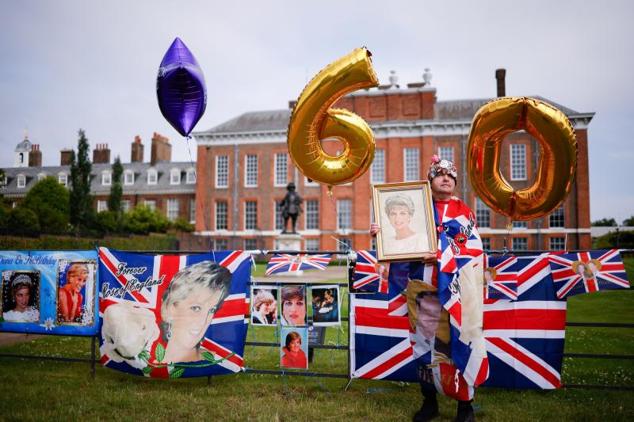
column 191, row 159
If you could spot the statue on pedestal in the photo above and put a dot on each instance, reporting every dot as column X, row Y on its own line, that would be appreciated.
column 291, row 207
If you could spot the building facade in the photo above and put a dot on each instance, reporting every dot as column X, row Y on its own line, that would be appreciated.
column 160, row 184
column 243, row 168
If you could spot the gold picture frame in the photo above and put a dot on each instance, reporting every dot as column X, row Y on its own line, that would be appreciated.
column 410, row 231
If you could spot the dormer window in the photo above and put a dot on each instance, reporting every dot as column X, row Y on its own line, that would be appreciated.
column 128, row 177
column 41, row 176
column 21, row 181
column 3, row 179
column 62, row 178
column 175, row 177
column 106, row 178
column 191, row 176
column 152, row 177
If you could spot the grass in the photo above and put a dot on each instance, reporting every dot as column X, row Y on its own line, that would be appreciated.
column 37, row 390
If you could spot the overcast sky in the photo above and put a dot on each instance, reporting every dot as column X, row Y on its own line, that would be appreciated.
column 67, row 65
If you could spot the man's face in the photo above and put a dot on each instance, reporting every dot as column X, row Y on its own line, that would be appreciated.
column 443, row 184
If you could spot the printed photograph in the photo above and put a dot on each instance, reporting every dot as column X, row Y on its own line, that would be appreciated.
column 325, row 304
column 264, row 305
column 75, row 292
column 404, row 213
column 294, row 348
column 21, row 296
column 293, row 304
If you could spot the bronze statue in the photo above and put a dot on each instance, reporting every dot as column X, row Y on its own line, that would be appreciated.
column 291, row 207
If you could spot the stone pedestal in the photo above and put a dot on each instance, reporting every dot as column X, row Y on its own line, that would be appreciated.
column 289, row 242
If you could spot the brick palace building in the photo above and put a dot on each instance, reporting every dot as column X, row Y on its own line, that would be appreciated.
column 243, row 168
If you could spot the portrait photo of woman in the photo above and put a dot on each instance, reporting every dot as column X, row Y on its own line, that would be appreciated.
column 71, row 291
column 294, row 348
column 293, row 306
column 403, row 238
column 264, row 306
column 194, row 295
column 20, row 296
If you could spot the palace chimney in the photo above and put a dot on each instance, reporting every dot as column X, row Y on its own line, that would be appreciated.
column 500, row 74
column 136, row 152
column 65, row 155
column 101, row 154
column 161, row 149
column 35, row 156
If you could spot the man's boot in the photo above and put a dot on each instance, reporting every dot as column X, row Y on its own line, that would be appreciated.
column 429, row 409
column 465, row 412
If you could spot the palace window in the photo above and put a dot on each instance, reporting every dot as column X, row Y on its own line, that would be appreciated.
column 222, row 171
column 281, row 169
column 518, row 162
column 251, row 171
column 250, row 215
column 221, row 215
column 412, row 164
column 377, row 170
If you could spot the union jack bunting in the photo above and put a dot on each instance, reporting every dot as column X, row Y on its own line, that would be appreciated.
column 133, row 287
column 501, row 282
column 369, row 274
column 287, row 263
column 587, row 272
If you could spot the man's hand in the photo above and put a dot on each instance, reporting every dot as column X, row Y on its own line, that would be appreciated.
column 374, row 229
column 430, row 258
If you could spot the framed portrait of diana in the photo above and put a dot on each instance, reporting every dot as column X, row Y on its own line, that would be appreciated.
column 405, row 214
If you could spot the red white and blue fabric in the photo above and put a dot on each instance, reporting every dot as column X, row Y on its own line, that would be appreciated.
column 525, row 337
column 287, row 263
column 226, row 335
column 369, row 274
column 503, row 283
column 587, row 272
column 380, row 346
column 458, row 243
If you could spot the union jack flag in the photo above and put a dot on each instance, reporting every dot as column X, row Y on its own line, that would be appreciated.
column 587, row 272
column 225, row 336
column 380, row 345
column 501, row 282
column 369, row 274
column 287, row 263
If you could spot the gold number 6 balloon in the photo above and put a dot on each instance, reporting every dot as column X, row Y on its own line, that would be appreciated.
column 313, row 120
column 556, row 169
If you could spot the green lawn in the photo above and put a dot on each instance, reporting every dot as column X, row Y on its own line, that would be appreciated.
column 37, row 390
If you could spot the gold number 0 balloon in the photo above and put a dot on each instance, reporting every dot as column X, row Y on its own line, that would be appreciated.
column 313, row 120
column 556, row 169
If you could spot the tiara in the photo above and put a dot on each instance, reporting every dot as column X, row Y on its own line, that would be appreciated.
column 22, row 279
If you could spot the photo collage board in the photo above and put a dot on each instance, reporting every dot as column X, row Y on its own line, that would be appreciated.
column 288, row 306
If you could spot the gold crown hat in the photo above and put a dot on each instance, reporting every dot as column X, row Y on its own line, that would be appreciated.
column 439, row 166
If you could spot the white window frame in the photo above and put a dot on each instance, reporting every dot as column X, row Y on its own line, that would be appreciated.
column 557, row 239
column 558, row 210
column 62, row 179
column 172, row 209
column 411, row 164
column 102, row 205
column 247, row 215
column 190, row 178
column 21, row 181
column 152, row 177
column 106, row 178
column 225, row 172
column 515, row 240
column 128, row 178
column 249, row 247
column 312, row 244
column 250, row 171
column 377, row 168
column 125, row 205
column 341, row 213
column 175, row 176
column 41, row 176
column 518, row 161
column 309, row 213
column 192, row 210
column 150, row 203
column 278, row 223
column 226, row 215
column 446, row 153
column 280, row 170
column 481, row 207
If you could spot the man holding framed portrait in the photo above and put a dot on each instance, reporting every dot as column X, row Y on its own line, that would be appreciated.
column 445, row 281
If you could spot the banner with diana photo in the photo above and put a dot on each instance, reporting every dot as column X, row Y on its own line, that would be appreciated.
column 171, row 316
column 49, row 292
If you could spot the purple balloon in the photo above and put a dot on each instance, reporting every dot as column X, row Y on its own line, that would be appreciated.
column 180, row 88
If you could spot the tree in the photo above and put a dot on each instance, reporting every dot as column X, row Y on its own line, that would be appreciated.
column 116, row 191
column 143, row 220
column 605, row 222
column 49, row 201
column 23, row 222
column 629, row 222
column 80, row 198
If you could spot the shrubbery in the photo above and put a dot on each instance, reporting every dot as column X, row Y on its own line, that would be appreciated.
column 615, row 239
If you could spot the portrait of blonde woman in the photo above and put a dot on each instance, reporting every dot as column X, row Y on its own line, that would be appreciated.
column 400, row 235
